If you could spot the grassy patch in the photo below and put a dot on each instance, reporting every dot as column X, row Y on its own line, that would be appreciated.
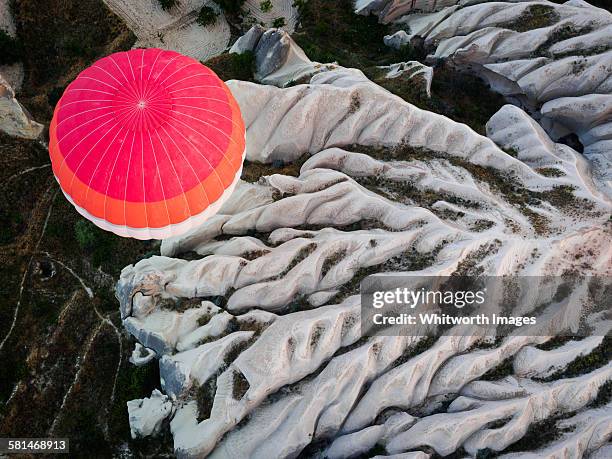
column 505, row 368
column 132, row 383
column 331, row 31
column 597, row 358
column 550, row 172
column 231, row 7
column 469, row 266
column 279, row 22
column 205, row 396
column 462, row 97
column 534, row 17
column 604, row 395
column 408, row 193
column 232, row 66
column 253, row 171
column 332, row 261
column 240, row 385
column 557, row 341
column 539, row 434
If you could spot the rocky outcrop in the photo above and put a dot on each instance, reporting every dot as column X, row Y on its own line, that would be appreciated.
column 174, row 29
column 279, row 61
column 276, row 364
column 15, row 120
column 411, row 70
column 141, row 355
column 146, row 415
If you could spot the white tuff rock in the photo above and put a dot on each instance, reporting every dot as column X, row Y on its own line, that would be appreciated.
column 175, row 29
column 14, row 118
column 147, row 415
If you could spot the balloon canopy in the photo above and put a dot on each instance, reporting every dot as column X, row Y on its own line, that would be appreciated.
column 147, row 143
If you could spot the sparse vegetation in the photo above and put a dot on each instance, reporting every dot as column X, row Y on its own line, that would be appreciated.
column 232, row 66
column 55, row 95
column 332, row 261
column 205, row 396
column 470, row 265
column 99, row 243
column 207, row 16
column 482, row 225
column 459, row 96
column 534, row 17
column 505, row 368
column 265, row 6
column 240, row 385
column 564, row 32
column 168, row 4
column 253, row 171
column 597, row 358
column 539, row 434
column 57, row 47
column 330, row 31
column 300, row 256
column 11, row 49
column 550, row 172
column 279, row 22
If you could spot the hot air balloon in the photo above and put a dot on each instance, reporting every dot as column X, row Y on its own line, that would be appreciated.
column 147, row 143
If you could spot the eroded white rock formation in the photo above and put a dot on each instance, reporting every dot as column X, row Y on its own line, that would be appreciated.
column 391, row 10
column 516, row 403
column 552, row 59
column 278, row 364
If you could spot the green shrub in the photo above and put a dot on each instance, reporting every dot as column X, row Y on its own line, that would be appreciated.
column 11, row 49
column 167, row 4
column 85, row 233
column 207, row 16
column 279, row 22
column 266, row 6
column 95, row 242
